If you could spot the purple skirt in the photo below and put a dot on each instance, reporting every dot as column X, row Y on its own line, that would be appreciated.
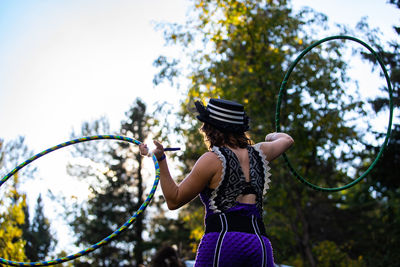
column 235, row 239
column 237, row 249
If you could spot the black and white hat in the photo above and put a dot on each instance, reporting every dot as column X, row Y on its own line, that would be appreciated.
column 225, row 115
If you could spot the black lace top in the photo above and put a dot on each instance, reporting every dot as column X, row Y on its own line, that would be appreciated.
column 233, row 182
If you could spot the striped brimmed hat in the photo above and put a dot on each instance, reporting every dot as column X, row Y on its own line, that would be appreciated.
column 225, row 115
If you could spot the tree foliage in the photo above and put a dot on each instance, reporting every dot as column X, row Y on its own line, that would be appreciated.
column 240, row 50
column 12, row 203
column 116, row 185
column 37, row 233
column 379, row 195
column 21, row 240
column 390, row 55
column 11, row 219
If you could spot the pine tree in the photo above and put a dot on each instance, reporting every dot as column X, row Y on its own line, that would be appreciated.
column 117, row 191
column 37, row 234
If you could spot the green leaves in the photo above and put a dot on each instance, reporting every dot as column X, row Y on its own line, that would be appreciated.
column 11, row 219
column 12, row 201
column 240, row 50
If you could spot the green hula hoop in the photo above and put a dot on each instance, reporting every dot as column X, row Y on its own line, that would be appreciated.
column 117, row 232
column 283, row 88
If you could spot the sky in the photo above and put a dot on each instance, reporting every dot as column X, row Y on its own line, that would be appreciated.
column 65, row 62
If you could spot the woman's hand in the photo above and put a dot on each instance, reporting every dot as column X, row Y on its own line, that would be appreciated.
column 275, row 144
column 143, row 149
column 158, row 151
column 270, row 137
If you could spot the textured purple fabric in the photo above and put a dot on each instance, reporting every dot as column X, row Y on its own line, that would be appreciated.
column 238, row 249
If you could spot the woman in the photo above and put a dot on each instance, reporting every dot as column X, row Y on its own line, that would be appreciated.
column 231, row 179
column 167, row 256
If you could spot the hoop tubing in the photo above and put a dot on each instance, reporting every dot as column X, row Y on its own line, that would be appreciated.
column 283, row 89
column 109, row 238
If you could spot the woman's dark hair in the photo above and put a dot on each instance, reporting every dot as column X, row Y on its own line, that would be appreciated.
column 215, row 137
column 167, row 256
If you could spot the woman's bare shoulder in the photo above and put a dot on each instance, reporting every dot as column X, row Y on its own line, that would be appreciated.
column 209, row 157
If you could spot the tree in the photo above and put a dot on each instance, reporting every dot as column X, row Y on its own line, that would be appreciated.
column 379, row 193
column 378, row 198
column 390, row 56
column 168, row 231
column 37, row 234
column 21, row 240
column 12, row 202
column 11, row 219
column 239, row 50
column 117, row 191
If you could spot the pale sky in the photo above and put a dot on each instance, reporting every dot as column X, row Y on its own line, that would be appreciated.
column 65, row 62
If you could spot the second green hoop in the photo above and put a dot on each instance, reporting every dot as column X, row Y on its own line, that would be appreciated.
column 283, row 89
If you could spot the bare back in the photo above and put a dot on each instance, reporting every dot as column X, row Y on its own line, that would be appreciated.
column 242, row 155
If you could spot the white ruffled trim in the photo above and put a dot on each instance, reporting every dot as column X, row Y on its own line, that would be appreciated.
column 213, row 207
column 266, row 167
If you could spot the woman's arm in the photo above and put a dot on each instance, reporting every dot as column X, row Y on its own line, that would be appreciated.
column 275, row 144
column 178, row 195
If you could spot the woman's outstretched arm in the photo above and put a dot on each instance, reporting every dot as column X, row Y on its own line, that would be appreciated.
column 177, row 195
column 275, row 144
